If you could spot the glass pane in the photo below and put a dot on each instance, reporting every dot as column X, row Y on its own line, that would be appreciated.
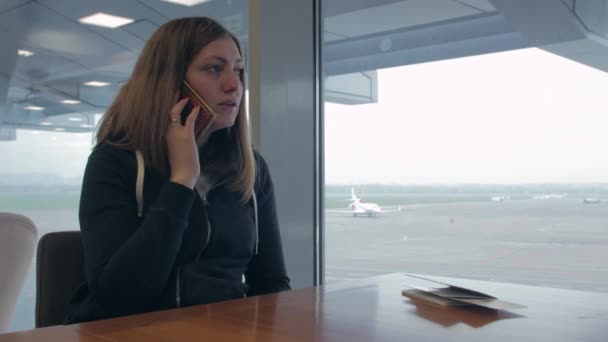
column 464, row 139
column 48, row 110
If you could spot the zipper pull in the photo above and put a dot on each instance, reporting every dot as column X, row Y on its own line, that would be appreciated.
column 205, row 201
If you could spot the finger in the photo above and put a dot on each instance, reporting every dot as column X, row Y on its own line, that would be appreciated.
column 191, row 119
column 177, row 109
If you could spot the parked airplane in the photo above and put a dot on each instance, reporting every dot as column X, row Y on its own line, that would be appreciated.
column 499, row 198
column 549, row 196
column 363, row 208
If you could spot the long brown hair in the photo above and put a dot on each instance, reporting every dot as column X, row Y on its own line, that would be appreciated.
column 137, row 119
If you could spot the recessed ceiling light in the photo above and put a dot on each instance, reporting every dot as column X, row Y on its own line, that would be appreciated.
column 70, row 101
column 33, row 108
column 24, row 53
column 186, row 2
column 75, row 119
column 86, row 126
column 96, row 84
column 46, row 123
column 105, row 20
column 59, row 129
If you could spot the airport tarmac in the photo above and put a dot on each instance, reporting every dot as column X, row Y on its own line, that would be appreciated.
column 556, row 242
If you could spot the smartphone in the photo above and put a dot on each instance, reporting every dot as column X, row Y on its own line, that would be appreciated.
column 206, row 114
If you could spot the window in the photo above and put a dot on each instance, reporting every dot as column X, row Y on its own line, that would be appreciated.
column 461, row 142
column 62, row 75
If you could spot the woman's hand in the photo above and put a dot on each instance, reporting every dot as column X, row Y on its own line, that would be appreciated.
column 181, row 146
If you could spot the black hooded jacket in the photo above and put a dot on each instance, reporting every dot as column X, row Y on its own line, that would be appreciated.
column 184, row 249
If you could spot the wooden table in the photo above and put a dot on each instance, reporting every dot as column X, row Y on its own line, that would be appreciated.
column 366, row 310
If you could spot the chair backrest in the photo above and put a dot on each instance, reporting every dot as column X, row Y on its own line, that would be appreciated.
column 18, row 236
column 59, row 272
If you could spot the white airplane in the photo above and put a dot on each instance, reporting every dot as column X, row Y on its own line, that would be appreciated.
column 500, row 198
column 363, row 208
column 549, row 196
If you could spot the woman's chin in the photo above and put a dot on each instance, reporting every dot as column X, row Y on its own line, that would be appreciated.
column 223, row 121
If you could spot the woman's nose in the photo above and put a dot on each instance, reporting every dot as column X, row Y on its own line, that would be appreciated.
column 231, row 82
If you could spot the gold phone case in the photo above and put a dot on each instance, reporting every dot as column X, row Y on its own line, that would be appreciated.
column 192, row 94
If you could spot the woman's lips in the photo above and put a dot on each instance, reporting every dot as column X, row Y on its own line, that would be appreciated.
column 226, row 107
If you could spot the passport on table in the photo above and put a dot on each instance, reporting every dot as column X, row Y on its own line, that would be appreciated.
column 450, row 295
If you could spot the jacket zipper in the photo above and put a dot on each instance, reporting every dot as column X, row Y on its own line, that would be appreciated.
column 209, row 228
column 205, row 205
column 178, row 296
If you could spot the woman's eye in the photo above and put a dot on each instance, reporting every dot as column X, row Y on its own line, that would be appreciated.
column 238, row 71
column 214, row 68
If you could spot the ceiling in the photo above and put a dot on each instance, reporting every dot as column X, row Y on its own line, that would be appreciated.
column 68, row 54
column 360, row 36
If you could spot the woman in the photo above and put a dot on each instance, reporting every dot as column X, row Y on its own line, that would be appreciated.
column 201, row 227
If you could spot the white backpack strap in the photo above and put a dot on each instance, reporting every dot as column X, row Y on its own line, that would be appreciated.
column 255, row 218
column 139, row 183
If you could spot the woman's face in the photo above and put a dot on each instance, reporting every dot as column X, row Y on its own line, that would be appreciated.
column 215, row 75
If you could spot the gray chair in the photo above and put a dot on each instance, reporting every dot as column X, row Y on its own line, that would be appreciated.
column 18, row 236
column 59, row 272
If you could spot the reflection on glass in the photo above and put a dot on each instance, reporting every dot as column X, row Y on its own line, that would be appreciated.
column 60, row 77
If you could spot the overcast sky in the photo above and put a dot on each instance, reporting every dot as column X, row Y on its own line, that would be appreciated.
column 514, row 117
column 522, row 116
